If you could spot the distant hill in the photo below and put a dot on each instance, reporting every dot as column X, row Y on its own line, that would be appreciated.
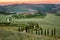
column 25, row 7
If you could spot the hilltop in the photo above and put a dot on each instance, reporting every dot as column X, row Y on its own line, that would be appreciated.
column 50, row 8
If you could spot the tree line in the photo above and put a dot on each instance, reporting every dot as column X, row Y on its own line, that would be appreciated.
column 36, row 29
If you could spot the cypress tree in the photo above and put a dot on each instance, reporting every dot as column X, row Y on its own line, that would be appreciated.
column 36, row 31
column 37, row 25
column 45, row 32
column 18, row 29
column 52, row 32
column 41, row 31
column 28, row 31
column 26, row 28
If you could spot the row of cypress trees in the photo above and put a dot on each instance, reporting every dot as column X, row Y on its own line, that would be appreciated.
column 38, row 30
column 46, row 32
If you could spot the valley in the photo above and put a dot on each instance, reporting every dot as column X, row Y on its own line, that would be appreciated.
column 30, row 22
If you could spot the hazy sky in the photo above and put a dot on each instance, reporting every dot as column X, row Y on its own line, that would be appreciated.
column 29, row 1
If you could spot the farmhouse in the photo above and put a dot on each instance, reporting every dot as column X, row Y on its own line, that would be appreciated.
column 27, row 13
column 24, row 11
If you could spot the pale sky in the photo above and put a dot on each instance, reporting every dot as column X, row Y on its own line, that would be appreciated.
column 29, row 1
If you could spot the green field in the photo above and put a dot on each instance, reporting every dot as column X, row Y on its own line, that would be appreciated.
column 12, row 35
column 50, row 21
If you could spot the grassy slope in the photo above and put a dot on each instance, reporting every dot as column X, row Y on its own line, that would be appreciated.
column 50, row 21
column 12, row 35
column 3, row 18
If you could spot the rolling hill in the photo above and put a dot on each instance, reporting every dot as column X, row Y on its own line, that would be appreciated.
column 8, row 32
column 24, row 7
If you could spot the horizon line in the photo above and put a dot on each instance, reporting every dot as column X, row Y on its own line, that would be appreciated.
column 42, row 2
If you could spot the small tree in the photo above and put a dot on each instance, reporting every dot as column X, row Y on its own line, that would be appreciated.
column 37, row 25
column 18, row 29
column 26, row 28
column 52, row 32
column 41, row 30
column 36, row 31
column 45, row 32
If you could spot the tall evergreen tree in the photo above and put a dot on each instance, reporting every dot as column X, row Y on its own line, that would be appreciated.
column 41, row 31
column 18, row 29
column 51, row 32
column 36, row 31
column 47, row 31
column 54, row 31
